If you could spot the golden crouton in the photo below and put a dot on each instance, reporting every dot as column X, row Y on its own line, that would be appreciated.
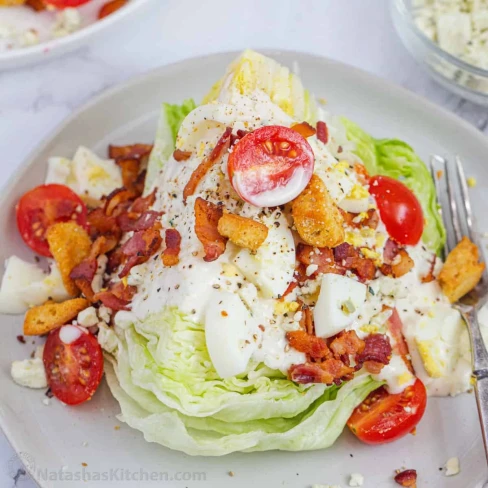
column 462, row 270
column 69, row 244
column 317, row 218
column 242, row 231
column 11, row 3
column 44, row 318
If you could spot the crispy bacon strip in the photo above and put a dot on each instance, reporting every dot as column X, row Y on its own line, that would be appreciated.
column 306, row 322
column 140, row 247
column 207, row 164
column 180, row 155
column 377, row 349
column 130, row 151
column 118, row 201
column 304, row 129
column 347, row 343
column 171, row 253
column 130, row 168
column 312, row 345
column 322, row 132
column 207, row 216
column 144, row 221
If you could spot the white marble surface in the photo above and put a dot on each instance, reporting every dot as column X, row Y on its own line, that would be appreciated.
column 359, row 32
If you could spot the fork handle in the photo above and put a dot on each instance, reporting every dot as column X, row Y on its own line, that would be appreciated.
column 481, row 390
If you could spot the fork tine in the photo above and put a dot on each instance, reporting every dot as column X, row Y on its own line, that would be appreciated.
column 451, row 192
column 472, row 230
column 443, row 200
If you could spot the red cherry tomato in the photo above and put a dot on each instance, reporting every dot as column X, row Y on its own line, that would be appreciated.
column 111, row 7
column 66, row 3
column 270, row 166
column 385, row 418
column 43, row 206
column 73, row 370
column 399, row 209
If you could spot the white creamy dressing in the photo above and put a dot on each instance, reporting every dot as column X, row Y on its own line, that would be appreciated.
column 193, row 286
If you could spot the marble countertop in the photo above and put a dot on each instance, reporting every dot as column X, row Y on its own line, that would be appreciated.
column 34, row 100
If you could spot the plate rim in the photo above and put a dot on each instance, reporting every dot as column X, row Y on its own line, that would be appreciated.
column 359, row 73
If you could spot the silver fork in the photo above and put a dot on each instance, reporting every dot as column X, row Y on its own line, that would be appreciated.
column 457, row 214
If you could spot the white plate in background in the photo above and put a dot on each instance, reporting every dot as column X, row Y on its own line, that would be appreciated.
column 55, row 440
column 128, row 16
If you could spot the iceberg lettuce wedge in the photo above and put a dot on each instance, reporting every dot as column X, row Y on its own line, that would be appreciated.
column 172, row 115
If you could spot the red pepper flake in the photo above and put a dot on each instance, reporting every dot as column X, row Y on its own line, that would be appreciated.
column 21, row 339
column 322, row 132
column 407, row 478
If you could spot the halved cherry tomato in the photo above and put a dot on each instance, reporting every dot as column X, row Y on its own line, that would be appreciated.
column 270, row 166
column 73, row 370
column 66, row 3
column 399, row 209
column 43, row 206
column 385, row 418
column 110, row 8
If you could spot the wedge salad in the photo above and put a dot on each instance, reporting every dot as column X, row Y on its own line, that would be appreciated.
column 262, row 276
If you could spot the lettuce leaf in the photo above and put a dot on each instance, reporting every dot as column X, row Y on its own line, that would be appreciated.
column 172, row 115
column 395, row 158
column 160, row 372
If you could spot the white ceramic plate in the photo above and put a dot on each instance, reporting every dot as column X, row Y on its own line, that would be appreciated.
column 54, row 437
column 44, row 51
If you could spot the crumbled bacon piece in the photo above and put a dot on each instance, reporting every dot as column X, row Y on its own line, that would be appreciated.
column 371, row 221
column 140, row 247
column 143, row 221
column 328, row 372
column 84, row 271
column 130, row 151
column 390, row 251
column 171, row 253
column 322, row 257
column 430, row 275
column 312, row 345
column 142, row 204
column 117, row 297
column 344, row 251
column 348, row 258
column 118, row 201
column 362, row 173
column 101, row 224
column 140, row 183
column 304, row 129
column 322, row 132
column 207, row 216
column 180, row 155
column 306, row 322
column 36, row 5
column 347, row 343
column 207, row 164
column 373, row 367
column 400, row 266
column 377, row 348
column 407, row 478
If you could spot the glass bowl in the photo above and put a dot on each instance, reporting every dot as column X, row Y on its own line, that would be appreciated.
column 456, row 75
